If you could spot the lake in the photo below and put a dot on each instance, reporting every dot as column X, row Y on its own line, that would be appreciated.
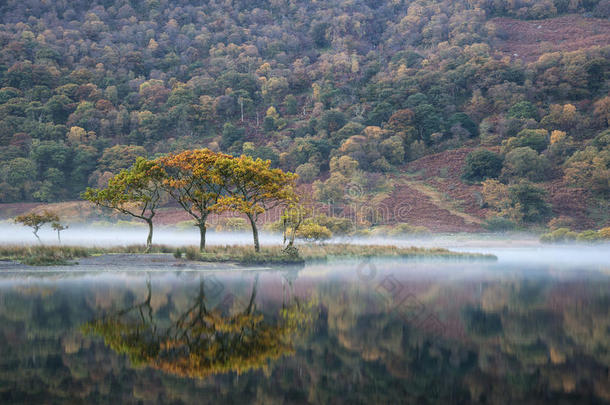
column 533, row 327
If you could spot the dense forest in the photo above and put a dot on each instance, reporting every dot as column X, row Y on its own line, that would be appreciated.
column 336, row 92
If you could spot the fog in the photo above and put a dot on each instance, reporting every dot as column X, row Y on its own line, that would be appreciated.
column 118, row 236
column 511, row 249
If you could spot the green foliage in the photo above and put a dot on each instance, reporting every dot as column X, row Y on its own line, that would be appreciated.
column 401, row 230
column 590, row 168
column 230, row 135
column 307, row 172
column 135, row 191
column 560, row 235
column 536, row 139
column 524, row 162
column 531, row 200
column 337, row 225
column 524, row 110
column 499, row 224
column 521, row 203
column 482, row 164
column 119, row 157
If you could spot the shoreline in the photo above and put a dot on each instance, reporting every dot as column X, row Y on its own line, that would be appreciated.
column 227, row 255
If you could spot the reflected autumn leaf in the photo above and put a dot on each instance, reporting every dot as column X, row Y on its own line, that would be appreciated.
column 203, row 342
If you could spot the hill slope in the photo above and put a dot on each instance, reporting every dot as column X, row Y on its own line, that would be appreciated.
column 86, row 87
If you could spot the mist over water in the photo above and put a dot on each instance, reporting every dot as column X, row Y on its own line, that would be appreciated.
column 119, row 236
column 511, row 249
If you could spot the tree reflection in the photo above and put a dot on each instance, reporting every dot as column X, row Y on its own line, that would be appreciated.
column 203, row 341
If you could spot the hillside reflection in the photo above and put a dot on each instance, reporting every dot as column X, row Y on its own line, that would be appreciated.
column 398, row 335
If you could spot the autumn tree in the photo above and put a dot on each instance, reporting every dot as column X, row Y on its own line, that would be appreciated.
column 252, row 188
column 590, row 168
column 192, row 178
column 36, row 221
column 521, row 202
column 135, row 191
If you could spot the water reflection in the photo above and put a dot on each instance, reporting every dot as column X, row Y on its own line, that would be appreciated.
column 201, row 342
column 391, row 333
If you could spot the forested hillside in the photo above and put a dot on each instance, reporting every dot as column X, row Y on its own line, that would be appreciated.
column 344, row 92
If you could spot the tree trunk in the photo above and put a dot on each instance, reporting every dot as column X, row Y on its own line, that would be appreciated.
column 58, row 237
column 202, row 230
column 150, row 235
column 257, row 246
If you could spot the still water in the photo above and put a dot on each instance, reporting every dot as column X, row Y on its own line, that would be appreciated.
column 523, row 330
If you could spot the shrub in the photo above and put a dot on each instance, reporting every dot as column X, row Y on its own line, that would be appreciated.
column 337, row 225
column 314, row 232
column 404, row 229
column 559, row 235
column 564, row 235
column 499, row 224
column 192, row 253
column 482, row 164
column 587, row 236
column 537, row 139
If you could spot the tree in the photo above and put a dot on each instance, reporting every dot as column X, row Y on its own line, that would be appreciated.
column 531, row 200
column 135, row 191
column 590, row 168
column 192, row 179
column 526, row 162
column 252, row 188
column 57, row 226
column 230, row 135
column 482, row 164
column 36, row 221
column 307, row 172
column 319, row 34
column 120, row 157
column 522, row 202
column 524, row 110
column 537, row 139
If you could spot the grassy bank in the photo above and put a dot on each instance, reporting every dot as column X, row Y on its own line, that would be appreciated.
column 57, row 255
column 314, row 252
column 42, row 255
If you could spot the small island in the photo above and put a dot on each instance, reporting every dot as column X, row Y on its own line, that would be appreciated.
column 240, row 255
